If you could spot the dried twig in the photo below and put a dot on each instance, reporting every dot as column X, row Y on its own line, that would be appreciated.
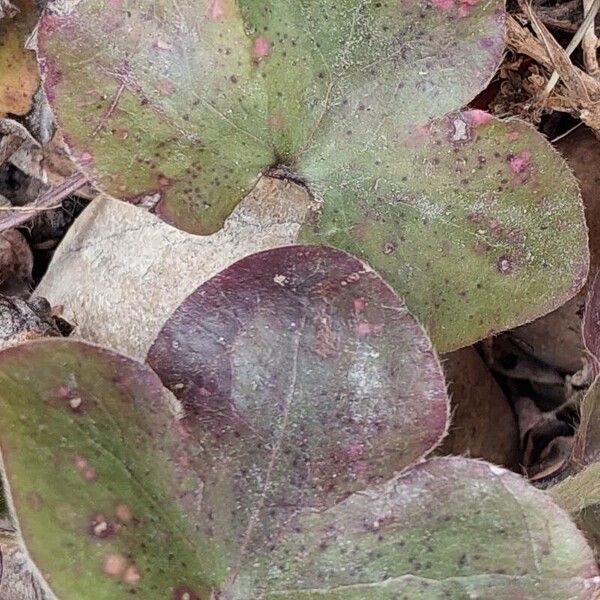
column 565, row 16
column 566, row 133
column 52, row 198
column 590, row 18
column 7, row 10
column 589, row 42
column 33, row 208
column 580, row 92
column 8, row 146
column 522, row 41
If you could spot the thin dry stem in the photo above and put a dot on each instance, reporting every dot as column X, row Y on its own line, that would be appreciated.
column 589, row 42
column 589, row 19
column 52, row 198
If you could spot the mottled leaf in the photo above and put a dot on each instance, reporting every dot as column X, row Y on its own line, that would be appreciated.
column 19, row 77
column 477, row 222
column 79, row 427
column 450, row 528
column 579, row 495
column 472, row 230
column 104, row 473
column 309, row 346
column 199, row 97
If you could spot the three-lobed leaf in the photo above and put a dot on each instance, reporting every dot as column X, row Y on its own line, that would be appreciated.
column 476, row 222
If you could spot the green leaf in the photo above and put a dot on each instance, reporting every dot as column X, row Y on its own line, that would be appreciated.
column 469, row 227
column 108, row 495
column 83, row 432
column 579, row 495
column 306, row 392
column 449, row 528
column 477, row 222
column 579, row 492
column 198, row 97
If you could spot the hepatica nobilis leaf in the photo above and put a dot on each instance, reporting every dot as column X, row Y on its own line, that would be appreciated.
column 309, row 346
column 283, row 466
column 477, row 222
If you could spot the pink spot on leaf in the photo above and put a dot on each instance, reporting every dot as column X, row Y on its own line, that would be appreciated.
column 132, row 575
column 519, row 162
column 114, row 565
column 443, row 4
column 355, row 450
column 63, row 392
column 80, row 462
column 183, row 430
column 165, row 87
column 505, row 265
column 261, row 48
column 216, row 12
column 365, row 329
column 123, row 513
column 163, row 45
column 359, row 305
column 478, row 117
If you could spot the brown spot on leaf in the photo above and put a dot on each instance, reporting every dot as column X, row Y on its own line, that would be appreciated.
column 326, row 343
column 276, row 121
column 101, row 527
column 480, row 247
column 389, row 247
column 359, row 305
column 34, row 500
column 185, row 593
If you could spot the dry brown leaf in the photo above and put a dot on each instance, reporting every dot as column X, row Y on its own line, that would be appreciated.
column 589, row 45
column 7, row 9
column 19, row 78
column 16, row 259
column 578, row 93
column 483, row 424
